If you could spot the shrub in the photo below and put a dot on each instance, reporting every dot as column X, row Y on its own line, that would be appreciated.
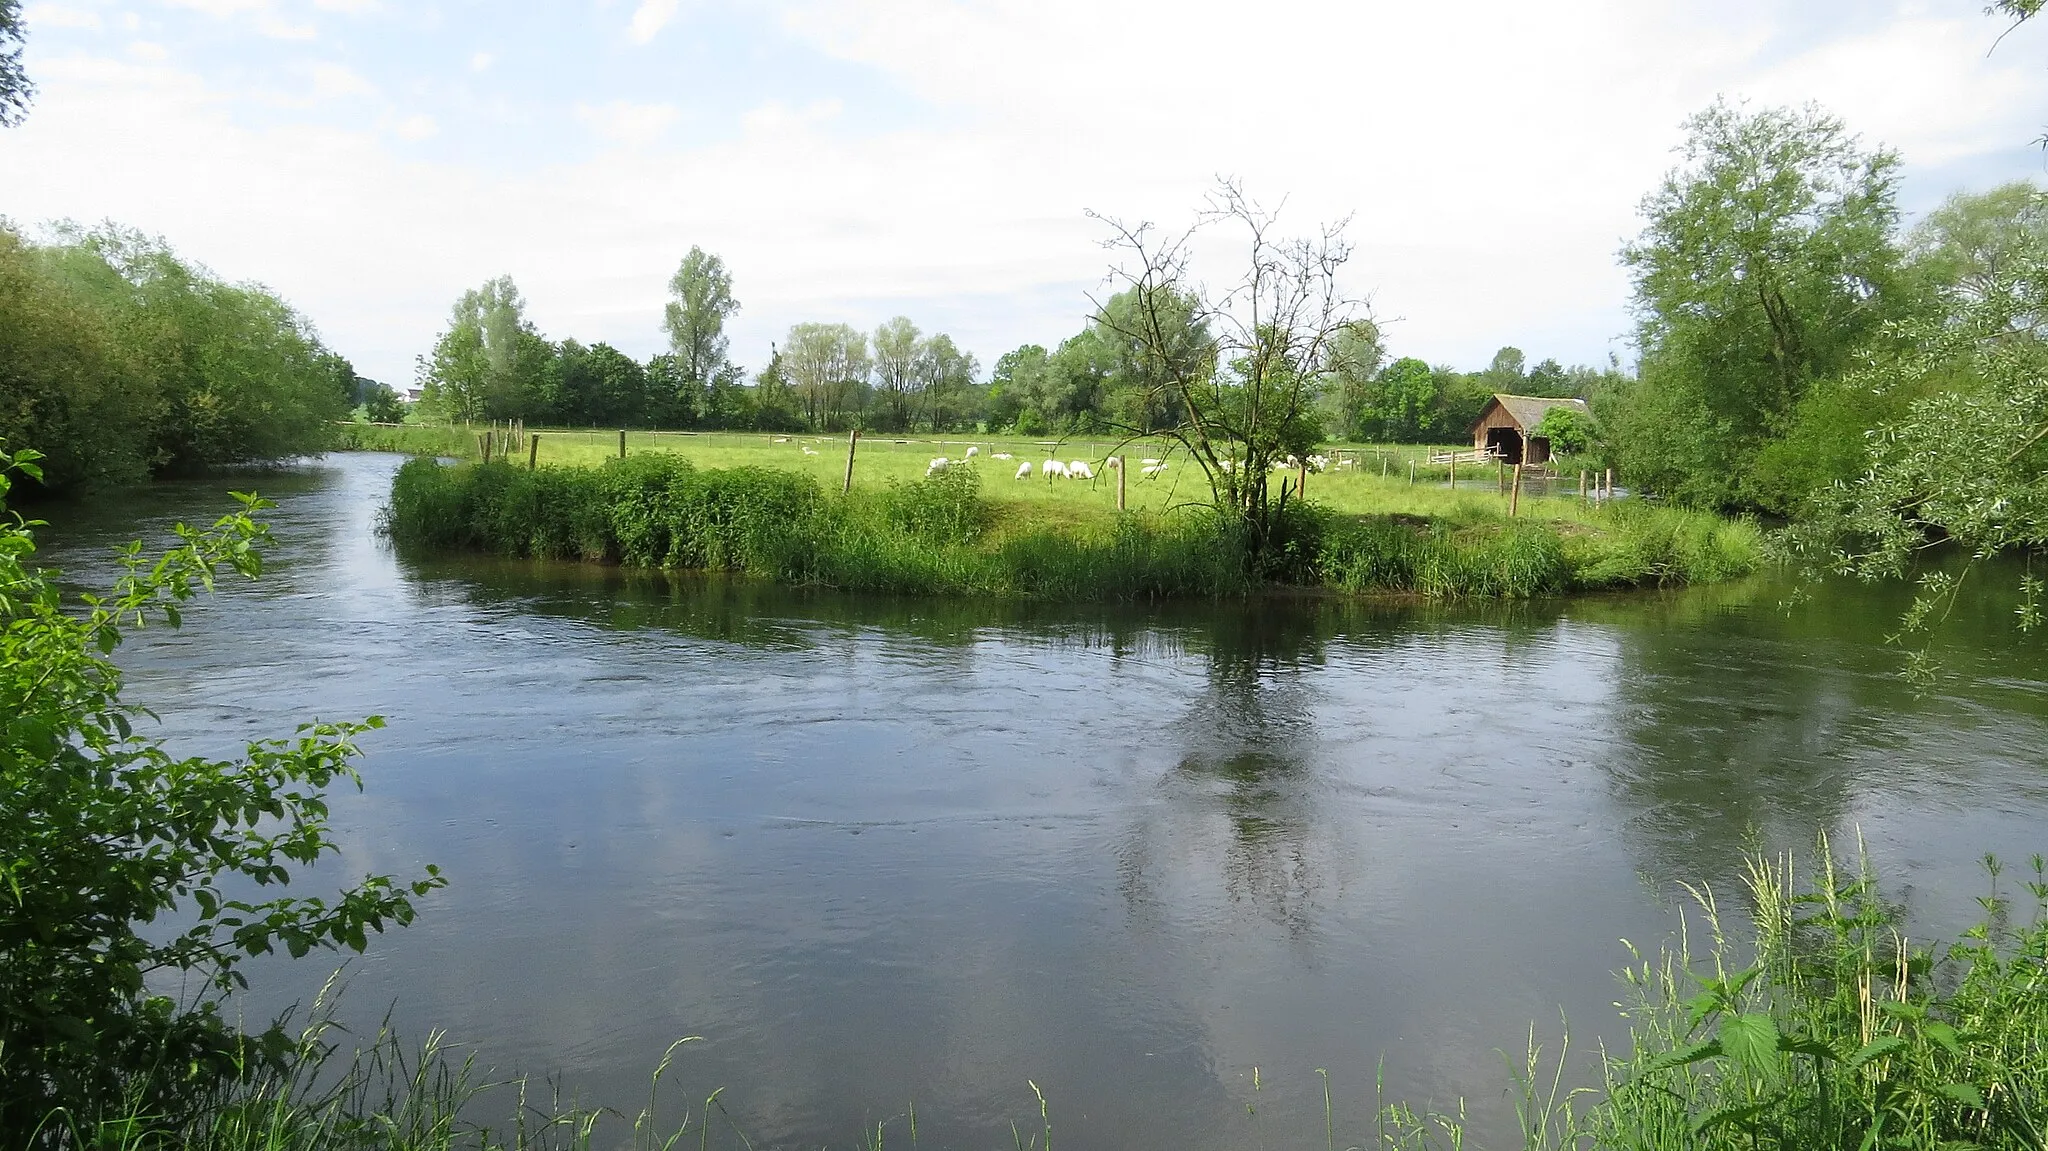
column 104, row 833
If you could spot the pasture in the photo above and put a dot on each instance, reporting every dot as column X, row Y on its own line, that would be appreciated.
column 1373, row 482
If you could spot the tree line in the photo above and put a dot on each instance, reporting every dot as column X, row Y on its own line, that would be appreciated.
column 491, row 363
column 120, row 361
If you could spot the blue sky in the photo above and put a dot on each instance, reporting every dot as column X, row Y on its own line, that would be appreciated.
column 857, row 159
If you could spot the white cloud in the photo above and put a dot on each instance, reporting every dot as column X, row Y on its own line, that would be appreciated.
column 41, row 16
column 334, row 81
column 347, row 7
column 481, row 61
column 623, row 122
column 649, row 19
column 148, row 51
column 1493, row 156
column 417, row 127
column 267, row 20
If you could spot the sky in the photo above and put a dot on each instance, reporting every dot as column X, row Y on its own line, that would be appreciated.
column 853, row 160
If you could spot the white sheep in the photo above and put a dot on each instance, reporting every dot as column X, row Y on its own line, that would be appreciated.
column 1319, row 463
column 1080, row 470
column 1148, row 461
column 809, row 450
column 1002, row 456
column 1051, row 468
column 1024, row 470
column 973, row 452
column 1150, row 470
column 937, row 466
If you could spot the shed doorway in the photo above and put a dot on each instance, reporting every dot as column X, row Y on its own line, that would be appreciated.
column 1505, row 443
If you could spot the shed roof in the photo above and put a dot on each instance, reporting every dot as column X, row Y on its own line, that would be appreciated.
column 1528, row 411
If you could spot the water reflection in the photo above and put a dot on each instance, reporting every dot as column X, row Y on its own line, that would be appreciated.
column 878, row 849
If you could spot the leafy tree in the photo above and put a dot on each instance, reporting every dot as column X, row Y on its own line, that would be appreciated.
column 1017, row 387
column 828, row 366
column 1357, row 356
column 1399, row 402
column 600, row 385
column 1569, row 431
column 68, row 379
column 1767, row 265
column 188, row 371
column 120, row 862
column 702, row 301
column 381, row 405
column 490, row 361
column 1974, row 240
column 15, row 89
column 898, row 372
column 944, row 374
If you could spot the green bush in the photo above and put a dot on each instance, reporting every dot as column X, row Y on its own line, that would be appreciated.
column 104, row 835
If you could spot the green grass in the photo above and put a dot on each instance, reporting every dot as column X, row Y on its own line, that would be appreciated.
column 964, row 533
column 1826, row 1027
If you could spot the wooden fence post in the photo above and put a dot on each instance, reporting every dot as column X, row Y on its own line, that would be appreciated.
column 1610, row 483
column 1411, row 471
column 1301, row 488
column 532, row 452
column 1120, row 483
column 1515, row 500
column 622, row 443
column 852, row 440
column 1454, row 471
column 1582, row 483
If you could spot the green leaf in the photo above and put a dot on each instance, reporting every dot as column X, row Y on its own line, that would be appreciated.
column 1723, row 1116
column 1962, row 1093
column 1696, row 1053
column 1751, row 1039
column 1877, row 1048
column 1944, row 1035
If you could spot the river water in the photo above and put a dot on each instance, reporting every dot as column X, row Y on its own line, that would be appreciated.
column 1164, row 863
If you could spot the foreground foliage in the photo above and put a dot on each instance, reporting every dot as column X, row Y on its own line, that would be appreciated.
column 121, row 863
column 939, row 536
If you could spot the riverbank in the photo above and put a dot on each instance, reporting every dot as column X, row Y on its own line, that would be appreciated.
column 943, row 536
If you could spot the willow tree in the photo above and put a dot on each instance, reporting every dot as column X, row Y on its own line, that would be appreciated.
column 1244, row 367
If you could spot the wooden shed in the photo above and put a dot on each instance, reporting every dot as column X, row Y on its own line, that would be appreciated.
column 1504, row 427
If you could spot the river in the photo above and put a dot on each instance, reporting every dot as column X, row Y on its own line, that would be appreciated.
column 881, row 851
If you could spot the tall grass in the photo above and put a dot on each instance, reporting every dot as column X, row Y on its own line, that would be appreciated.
column 940, row 535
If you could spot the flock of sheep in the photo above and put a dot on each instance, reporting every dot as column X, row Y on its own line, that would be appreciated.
column 1051, row 469
column 1081, row 470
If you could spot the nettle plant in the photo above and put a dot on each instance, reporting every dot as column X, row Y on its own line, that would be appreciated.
column 105, row 835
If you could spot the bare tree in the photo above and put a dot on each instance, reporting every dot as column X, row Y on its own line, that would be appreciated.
column 1244, row 371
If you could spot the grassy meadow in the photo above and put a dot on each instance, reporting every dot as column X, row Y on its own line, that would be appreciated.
column 1375, row 482
column 771, row 505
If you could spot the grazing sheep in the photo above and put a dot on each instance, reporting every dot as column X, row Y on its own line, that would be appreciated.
column 1319, row 463
column 1148, row 461
column 973, row 452
column 1150, row 470
column 1052, row 468
column 1080, row 470
column 937, row 466
column 809, row 450
column 1002, row 456
column 1024, row 470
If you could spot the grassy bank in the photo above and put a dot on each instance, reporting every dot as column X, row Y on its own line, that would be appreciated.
column 1826, row 1028
column 947, row 535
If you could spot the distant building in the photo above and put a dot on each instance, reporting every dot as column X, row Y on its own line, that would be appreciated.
column 1505, row 427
